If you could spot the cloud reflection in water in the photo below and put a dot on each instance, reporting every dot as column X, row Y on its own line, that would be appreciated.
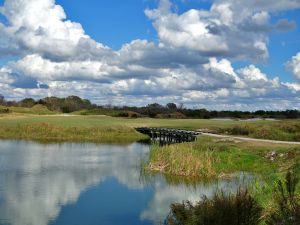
column 36, row 180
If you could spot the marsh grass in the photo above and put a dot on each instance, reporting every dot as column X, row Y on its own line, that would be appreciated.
column 244, row 207
column 209, row 158
column 287, row 207
column 191, row 162
column 234, row 209
column 213, row 158
column 45, row 132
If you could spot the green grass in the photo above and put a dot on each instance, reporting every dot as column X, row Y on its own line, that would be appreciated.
column 70, row 120
column 288, row 130
column 212, row 158
column 45, row 132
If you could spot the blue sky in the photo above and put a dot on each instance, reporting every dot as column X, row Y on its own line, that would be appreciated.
column 283, row 45
column 112, row 22
column 232, row 51
column 116, row 22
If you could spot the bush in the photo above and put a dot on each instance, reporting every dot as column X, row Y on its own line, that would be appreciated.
column 234, row 209
column 175, row 115
column 290, row 128
column 128, row 114
column 4, row 111
column 238, row 130
column 288, row 210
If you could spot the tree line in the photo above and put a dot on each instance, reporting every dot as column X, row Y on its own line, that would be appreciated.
column 171, row 110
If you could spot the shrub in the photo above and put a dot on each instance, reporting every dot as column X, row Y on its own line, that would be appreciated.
column 4, row 110
column 128, row 114
column 175, row 115
column 239, row 130
column 123, row 114
column 234, row 209
column 290, row 128
column 288, row 209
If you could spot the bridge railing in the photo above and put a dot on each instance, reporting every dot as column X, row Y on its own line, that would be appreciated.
column 168, row 135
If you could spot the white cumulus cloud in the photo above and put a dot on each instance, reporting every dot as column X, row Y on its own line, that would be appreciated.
column 294, row 65
column 192, row 62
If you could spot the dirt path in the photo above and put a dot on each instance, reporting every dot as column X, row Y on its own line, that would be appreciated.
column 250, row 139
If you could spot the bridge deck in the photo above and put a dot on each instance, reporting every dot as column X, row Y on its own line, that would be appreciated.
column 168, row 136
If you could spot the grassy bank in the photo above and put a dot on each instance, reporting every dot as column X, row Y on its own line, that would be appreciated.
column 212, row 158
column 220, row 158
column 45, row 132
column 209, row 158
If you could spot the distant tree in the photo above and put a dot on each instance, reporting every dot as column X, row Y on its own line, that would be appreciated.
column 52, row 103
column 67, row 105
column 27, row 102
column 172, row 106
column 75, row 103
column 2, row 100
column 10, row 103
column 260, row 113
column 292, row 114
column 203, row 113
column 153, row 109
column 155, row 105
column 181, row 106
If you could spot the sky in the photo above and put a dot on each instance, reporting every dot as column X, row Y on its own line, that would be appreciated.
column 214, row 54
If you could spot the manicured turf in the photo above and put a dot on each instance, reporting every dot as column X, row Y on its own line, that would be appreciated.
column 74, row 120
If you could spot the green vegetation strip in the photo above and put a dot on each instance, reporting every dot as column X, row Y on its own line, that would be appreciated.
column 45, row 132
column 212, row 158
column 287, row 130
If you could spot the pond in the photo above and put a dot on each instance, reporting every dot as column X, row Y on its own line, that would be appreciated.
column 70, row 184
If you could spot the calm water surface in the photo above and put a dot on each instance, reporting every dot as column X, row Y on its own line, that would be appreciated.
column 86, row 184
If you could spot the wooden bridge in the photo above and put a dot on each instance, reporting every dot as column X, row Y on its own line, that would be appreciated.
column 169, row 136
